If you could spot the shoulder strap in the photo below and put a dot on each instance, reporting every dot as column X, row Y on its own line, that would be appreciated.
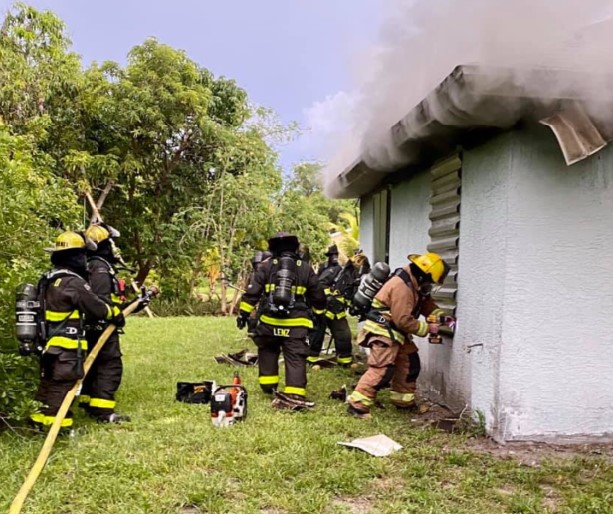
column 61, row 273
column 406, row 278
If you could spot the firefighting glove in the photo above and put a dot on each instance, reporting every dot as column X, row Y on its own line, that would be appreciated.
column 433, row 328
column 118, row 318
column 143, row 300
column 241, row 320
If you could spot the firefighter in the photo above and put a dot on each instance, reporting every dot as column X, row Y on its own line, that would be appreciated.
column 259, row 258
column 339, row 285
column 68, row 302
column 389, row 331
column 284, row 285
column 102, row 382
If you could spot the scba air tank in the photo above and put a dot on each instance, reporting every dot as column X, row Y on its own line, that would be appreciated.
column 282, row 295
column 27, row 318
column 370, row 286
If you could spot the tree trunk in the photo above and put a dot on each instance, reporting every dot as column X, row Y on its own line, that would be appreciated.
column 242, row 284
column 143, row 272
column 195, row 273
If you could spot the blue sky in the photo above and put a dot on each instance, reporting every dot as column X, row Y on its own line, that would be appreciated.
column 293, row 56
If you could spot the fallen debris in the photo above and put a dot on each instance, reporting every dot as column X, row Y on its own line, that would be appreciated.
column 242, row 358
column 378, row 445
column 339, row 394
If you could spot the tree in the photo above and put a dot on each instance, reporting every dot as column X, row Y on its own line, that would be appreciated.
column 311, row 214
column 33, row 204
column 166, row 121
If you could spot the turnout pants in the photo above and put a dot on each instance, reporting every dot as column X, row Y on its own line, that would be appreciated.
column 295, row 351
column 339, row 328
column 104, row 377
column 58, row 374
column 389, row 363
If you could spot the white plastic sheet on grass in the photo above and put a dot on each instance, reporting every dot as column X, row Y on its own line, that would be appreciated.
column 377, row 445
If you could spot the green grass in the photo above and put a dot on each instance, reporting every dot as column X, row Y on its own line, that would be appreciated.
column 170, row 459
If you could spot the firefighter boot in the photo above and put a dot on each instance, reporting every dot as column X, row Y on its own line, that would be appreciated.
column 113, row 417
column 357, row 405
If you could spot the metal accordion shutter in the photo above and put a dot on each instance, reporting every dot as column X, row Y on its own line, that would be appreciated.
column 445, row 224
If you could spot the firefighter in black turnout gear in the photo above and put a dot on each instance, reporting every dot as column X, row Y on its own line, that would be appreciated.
column 102, row 382
column 339, row 284
column 68, row 302
column 285, row 285
column 259, row 258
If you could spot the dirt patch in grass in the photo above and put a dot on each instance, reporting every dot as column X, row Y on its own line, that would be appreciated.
column 190, row 509
column 533, row 453
column 354, row 505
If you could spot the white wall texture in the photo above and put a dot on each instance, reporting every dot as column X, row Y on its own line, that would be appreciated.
column 534, row 344
column 481, row 280
column 536, row 287
column 557, row 355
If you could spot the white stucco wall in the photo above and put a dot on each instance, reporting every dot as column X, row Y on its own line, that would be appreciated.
column 409, row 222
column 557, row 355
column 529, row 225
column 481, row 280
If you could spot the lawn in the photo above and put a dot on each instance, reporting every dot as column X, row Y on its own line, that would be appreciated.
column 170, row 459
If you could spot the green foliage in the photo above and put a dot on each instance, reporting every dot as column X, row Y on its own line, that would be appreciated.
column 184, row 164
column 314, row 216
column 32, row 202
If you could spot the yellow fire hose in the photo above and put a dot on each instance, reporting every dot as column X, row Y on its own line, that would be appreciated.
column 36, row 470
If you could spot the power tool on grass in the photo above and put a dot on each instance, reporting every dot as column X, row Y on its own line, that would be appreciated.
column 229, row 403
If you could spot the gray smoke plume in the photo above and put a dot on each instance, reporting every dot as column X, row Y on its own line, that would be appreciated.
column 422, row 41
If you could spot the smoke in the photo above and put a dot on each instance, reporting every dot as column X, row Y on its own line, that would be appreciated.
column 422, row 41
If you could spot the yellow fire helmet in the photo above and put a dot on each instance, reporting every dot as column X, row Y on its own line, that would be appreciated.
column 431, row 264
column 98, row 233
column 71, row 241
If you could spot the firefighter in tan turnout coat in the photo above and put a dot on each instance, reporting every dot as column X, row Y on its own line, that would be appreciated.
column 388, row 331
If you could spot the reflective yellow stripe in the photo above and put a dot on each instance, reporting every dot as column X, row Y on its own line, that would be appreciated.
column 423, row 329
column 290, row 322
column 116, row 311
column 301, row 391
column 56, row 317
column 300, row 290
column 312, row 358
column 344, row 360
column 269, row 380
column 101, row 403
column 84, row 398
column 437, row 312
column 340, row 315
column 356, row 396
column 319, row 311
column 269, row 287
column 66, row 343
column 39, row 417
column 376, row 304
column 402, row 397
column 109, row 312
column 115, row 299
column 245, row 307
column 327, row 291
column 375, row 328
